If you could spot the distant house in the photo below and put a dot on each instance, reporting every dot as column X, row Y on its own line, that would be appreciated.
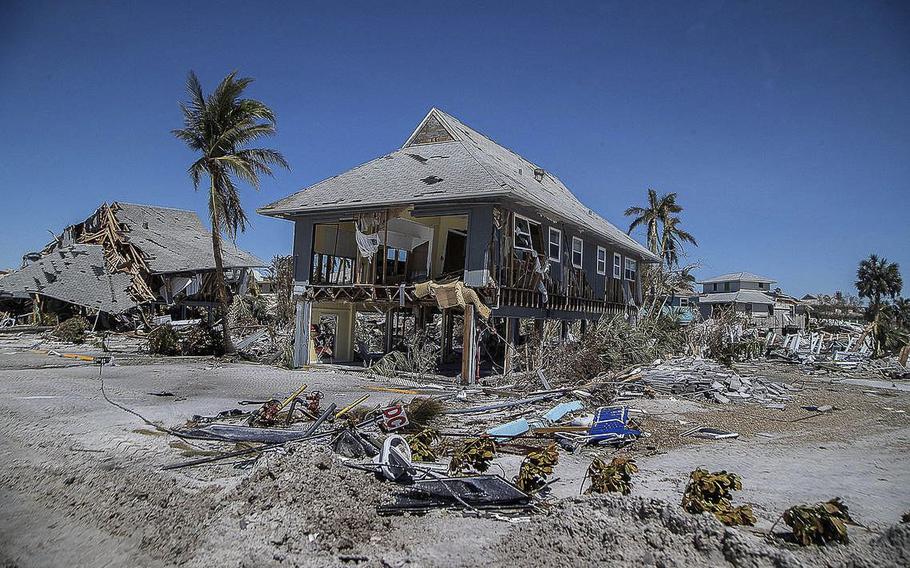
column 454, row 207
column 745, row 292
column 683, row 304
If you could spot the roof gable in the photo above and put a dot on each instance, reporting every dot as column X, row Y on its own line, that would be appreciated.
column 431, row 130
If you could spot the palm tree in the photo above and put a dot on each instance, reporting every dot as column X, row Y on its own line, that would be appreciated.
column 672, row 239
column 876, row 279
column 219, row 127
column 658, row 210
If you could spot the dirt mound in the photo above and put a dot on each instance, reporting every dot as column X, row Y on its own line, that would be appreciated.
column 299, row 505
column 608, row 529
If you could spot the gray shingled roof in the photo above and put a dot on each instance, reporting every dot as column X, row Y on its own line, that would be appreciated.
column 77, row 274
column 741, row 297
column 473, row 166
column 175, row 240
column 738, row 277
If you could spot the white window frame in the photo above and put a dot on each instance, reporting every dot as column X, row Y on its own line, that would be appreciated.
column 558, row 243
column 515, row 233
column 580, row 251
column 684, row 302
column 617, row 266
column 631, row 262
column 601, row 261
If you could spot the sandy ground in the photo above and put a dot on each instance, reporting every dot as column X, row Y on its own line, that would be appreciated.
column 81, row 483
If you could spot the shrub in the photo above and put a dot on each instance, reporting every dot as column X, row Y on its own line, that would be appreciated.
column 164, row 340
column 72, row 330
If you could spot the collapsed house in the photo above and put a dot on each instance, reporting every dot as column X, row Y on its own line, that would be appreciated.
column 454, row 221
column 121, row 257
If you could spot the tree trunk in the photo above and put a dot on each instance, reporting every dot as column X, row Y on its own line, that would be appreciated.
column 220, row 286
column 222, row 291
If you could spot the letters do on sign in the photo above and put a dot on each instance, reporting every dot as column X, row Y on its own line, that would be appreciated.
column 394, row 417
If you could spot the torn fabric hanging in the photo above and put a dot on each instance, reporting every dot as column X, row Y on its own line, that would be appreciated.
column 367, row 245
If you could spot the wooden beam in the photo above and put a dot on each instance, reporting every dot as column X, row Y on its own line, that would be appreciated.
column 302, row 319
column 469, row 348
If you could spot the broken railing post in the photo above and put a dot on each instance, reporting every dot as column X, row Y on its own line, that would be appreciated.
column 302, row 320
column 469, row 348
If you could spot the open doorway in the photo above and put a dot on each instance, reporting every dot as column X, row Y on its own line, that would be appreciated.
column 454, row 256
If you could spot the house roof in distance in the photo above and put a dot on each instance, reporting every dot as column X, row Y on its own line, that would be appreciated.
column 738, row 277
column 77, row 274
column 175, row 240
column 446, row 160
column 740, row 297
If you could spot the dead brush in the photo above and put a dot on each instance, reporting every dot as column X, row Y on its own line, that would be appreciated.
column 613, row 477
column 536, row 468
column 474, row 455
column 820, row 523
column 72, row 330
column 423, row 410
column 711, row 493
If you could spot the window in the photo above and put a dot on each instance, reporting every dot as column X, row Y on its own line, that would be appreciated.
column 726, row 286
column 523, row 234
column 577, row 255
column 715, row 287
column 528, row 235
column 617, row 265
column 631, row 268
column 761, row 284
column 602, row 261
column 555, row 244
column 683, row 302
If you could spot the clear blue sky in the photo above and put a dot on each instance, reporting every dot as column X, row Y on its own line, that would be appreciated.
column 783, row 126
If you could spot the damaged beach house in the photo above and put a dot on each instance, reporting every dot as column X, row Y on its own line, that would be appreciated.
column 750, row 295
column 453, row 225
column 123, row 257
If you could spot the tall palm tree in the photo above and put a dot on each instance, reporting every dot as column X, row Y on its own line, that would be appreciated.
column 671, row 241
column 877, row 279
column 658, row 210
column 219, row 127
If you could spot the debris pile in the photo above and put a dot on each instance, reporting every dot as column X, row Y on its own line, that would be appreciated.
column 710, row 380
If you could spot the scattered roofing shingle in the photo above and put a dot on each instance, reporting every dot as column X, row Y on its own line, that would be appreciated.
column 471, row 166
column 740, row 297
column 738, row 277
column 78, row 275
column 175, row 240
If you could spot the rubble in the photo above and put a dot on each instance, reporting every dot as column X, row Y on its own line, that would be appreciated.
column 703, row 378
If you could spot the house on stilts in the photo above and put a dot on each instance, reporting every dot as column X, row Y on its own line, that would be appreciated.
column 453, row 223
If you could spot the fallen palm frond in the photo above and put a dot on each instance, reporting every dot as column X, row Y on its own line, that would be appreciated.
column 536, row 467
column 422, row 443
column 820, row 523
column 613, row 477
column 711, row 493
column 474, row 455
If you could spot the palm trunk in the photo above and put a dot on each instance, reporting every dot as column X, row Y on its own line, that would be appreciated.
column 220, row 286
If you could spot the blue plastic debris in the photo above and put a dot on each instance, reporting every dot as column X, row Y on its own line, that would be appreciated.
column 557, row 412
column 610, row 426
column 509, row 430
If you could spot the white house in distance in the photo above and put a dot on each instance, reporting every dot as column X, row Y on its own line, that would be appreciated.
column 746, row 292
